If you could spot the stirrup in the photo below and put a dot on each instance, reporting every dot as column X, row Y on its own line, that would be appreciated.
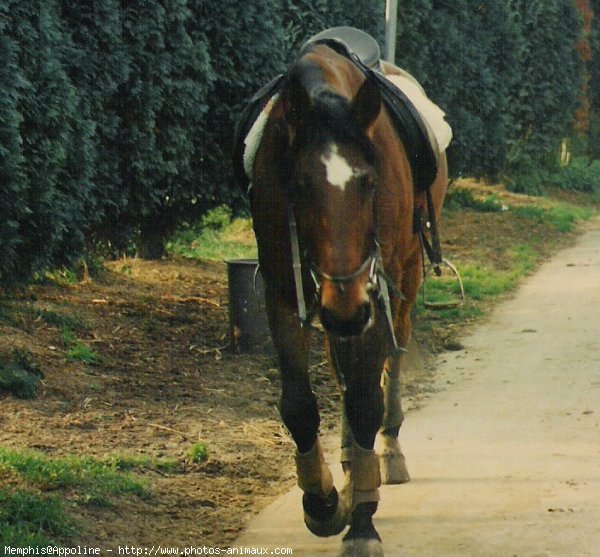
column 450, row 304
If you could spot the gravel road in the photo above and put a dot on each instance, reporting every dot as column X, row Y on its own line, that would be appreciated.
column 505, row 457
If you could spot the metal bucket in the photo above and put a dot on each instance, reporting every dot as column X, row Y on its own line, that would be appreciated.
column 248, row 325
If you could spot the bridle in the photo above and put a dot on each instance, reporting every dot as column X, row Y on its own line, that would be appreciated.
column 378, row 284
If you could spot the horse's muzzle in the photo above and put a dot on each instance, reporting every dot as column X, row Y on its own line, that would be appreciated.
column 354, row 326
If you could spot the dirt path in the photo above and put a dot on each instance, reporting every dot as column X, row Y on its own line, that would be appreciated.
column 505, row 459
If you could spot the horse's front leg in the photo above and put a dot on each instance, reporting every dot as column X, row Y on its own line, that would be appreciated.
column 324, row 513
column 360, row 362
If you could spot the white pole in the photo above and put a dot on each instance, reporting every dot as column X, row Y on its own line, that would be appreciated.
column 391, row 17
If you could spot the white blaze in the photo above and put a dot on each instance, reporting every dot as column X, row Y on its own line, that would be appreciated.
column 338, row 170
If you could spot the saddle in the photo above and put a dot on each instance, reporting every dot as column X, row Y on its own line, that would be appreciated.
column 419, row 140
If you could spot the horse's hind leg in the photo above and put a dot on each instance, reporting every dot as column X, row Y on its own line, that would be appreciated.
column 324, row 514
column 393, row 463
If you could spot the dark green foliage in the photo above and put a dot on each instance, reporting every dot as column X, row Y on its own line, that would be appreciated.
column 547, row 94
column 52, row 169
column 594, row 83
column 246, row 49
column 506, row 73
column 94, row 57
column 19, row 375
column 304, row 18
column 413, row 44
column 12, row 190
column 580, row 175
column 161, row 107
column 116, row 116
column 461, row 80
column 28, row 520
column 463, row 198
column 595, row 63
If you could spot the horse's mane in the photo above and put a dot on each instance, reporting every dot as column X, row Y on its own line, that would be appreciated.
column 330, row 117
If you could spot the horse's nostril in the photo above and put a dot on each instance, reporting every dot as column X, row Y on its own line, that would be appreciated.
column 354, row 326
column 363, row 314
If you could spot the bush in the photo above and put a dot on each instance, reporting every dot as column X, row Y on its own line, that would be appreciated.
column 459, row 197
column 19, row 375
column 198, row 453
column 581, row 175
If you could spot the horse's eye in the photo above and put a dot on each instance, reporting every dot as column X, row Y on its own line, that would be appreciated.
column 303, row 186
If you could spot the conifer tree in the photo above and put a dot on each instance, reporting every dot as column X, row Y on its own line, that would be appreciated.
column 594, row 81
column 546, row 97
column 246, row 50
column 12, row 189
column 54, row 187
column 94, row 58
column 161, row 106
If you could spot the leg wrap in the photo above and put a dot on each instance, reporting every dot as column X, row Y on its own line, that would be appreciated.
column 393, row 415
column 314, row 475
column 325, row 514
column 362, row 477
column 392, row 461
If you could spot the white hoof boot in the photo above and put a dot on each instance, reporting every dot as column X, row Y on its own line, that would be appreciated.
column 391, row 461
column 361, row 548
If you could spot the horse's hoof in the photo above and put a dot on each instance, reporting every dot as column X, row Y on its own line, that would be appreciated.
column 362, row 548
column 393, row 469
column 325, row 517
column 392, row 463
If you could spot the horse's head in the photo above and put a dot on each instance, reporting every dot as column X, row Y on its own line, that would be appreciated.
column 332, row 185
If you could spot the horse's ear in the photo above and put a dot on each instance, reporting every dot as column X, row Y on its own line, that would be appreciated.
column 366, row 104
column 296, row 104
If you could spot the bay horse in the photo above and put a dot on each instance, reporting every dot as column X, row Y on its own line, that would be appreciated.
column 331, row 167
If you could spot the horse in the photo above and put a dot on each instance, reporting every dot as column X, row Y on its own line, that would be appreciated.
column 333, row 207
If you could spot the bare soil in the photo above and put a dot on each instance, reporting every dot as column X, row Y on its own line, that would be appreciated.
column 167, row 377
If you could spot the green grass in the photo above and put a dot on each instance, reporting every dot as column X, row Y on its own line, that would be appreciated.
column 562, row 216
column 457, row 198
column 61, row 321
column 60, row 277
column 479, row 282
column 218, row 237
column 142, row 463
column 198, row 453
column 77, row 351
column 40, row 495
column 93, row 478
column 484, row 282
column 28, row 519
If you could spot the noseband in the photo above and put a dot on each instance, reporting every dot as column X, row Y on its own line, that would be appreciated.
column 342, row 281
